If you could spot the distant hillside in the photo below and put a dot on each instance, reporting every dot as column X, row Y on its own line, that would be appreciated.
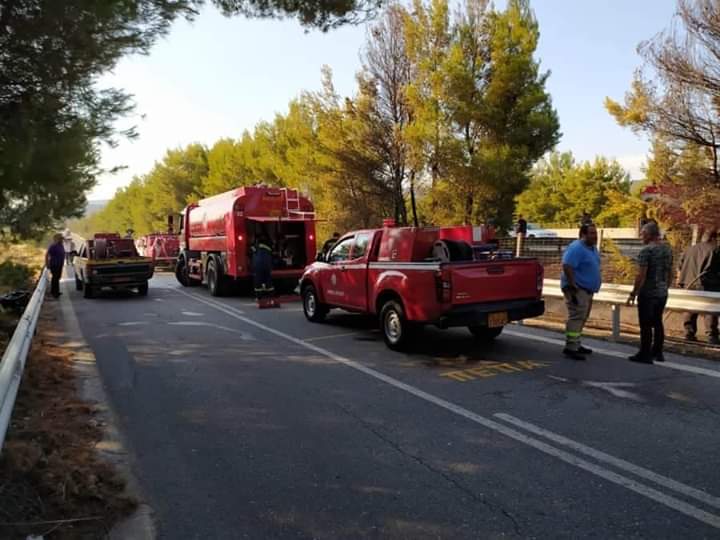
column 95, row 206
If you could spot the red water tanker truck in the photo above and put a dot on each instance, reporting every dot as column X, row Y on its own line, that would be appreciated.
column 217, row 235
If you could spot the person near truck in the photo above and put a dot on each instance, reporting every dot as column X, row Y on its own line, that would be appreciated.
column 329, row 243
column 696, row 273
column 521, row 227
column 580, row 280
column 651, row 290
column 262, row 263
column 55, row 260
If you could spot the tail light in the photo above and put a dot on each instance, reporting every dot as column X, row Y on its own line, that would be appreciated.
column 311, row 237
column 443, row 287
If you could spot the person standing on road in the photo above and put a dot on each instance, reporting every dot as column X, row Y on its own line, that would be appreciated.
column 521, row 227
column 329, row 243
column 695, row 273
column 651, row 290
column 580, row 281
column 55, row 260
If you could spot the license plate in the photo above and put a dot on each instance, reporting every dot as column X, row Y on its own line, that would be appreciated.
column 495, row 320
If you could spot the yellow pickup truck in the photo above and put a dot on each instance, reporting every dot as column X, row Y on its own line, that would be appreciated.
column 109, row 261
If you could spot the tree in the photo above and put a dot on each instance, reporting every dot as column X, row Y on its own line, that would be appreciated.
column 675, row 99
column 53, row 117
column 481, row 114
column 561, row 191
column 322, row 14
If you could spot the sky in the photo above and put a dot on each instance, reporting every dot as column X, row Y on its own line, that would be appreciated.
column 216, row 77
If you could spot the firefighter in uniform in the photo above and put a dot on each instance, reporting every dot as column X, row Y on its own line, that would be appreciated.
column 262, row 271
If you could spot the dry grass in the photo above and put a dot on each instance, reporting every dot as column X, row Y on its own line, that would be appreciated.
column 52, row 481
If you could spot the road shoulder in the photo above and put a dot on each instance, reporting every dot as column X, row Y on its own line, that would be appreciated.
column 112, row 447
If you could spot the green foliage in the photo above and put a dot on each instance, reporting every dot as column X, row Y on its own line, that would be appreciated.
column 53, row 116
column 561, row 190
column 449, row 114
column 15, row 275
column 481, row 114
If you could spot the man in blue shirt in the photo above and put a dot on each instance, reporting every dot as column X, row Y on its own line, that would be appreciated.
column 580, row 281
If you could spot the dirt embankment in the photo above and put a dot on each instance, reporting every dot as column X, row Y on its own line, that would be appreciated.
column 52, row 480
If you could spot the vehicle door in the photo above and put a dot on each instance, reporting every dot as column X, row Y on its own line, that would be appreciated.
column 354, row 272
column 334, row 276
column 79, row 262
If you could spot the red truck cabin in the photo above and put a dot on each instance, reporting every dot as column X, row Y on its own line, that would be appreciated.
column 425, row 278
column 218, row 233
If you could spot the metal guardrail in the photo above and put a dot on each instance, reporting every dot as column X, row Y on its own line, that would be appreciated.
column 13, row 360
column 616, row 295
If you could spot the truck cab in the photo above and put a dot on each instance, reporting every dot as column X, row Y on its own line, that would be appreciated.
column 409, row 277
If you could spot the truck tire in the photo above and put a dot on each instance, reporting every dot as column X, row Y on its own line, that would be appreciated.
column 394, row 326
column 217, row 282
column 88, row 292
column 143, row 289
column 183, row 276
column 78, row 284
column 313, row 309
column 485, row 334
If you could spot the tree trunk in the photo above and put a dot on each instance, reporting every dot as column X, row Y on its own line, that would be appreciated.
column 412, row 198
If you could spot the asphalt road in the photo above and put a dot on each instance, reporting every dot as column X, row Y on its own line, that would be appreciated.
column 257, row 424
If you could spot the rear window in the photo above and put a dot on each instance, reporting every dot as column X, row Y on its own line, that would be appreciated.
column 362, row 243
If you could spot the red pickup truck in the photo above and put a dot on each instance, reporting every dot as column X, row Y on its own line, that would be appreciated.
column 410, row 277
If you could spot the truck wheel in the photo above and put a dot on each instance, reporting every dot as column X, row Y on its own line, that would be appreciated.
column 217, row 283
column 485, row 334
column 394, row 326
column 183, row 275
column 313, row 309
column 78, row 284
column 89, row 292
column 143, row 289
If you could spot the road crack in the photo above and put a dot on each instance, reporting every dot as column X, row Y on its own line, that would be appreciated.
column 420, row 461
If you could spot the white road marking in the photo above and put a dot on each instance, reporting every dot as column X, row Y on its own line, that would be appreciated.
column 614, row 388
column 618, row 354
column 628, row 483
column 191, row 314
column 647, row 474
column 132, row 323
column 243, row 335
column 320, row 338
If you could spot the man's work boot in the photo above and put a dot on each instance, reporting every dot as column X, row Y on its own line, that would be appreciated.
column 575, row 355
column 584, row 350
column 640, row 359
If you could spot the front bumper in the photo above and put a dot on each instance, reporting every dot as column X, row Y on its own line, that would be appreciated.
column 477, row 314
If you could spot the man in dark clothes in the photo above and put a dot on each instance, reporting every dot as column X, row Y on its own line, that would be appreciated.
column 521, row 227
column 262, row 266
column 328, row 245
column 695, row 273
column 55, row 260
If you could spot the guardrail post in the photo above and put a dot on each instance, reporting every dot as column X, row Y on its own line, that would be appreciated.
column 520, row 240
column 615, row 321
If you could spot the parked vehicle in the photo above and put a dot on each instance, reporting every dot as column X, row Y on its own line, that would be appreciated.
column 109, row 261
column 410, row 277
column 536, row 231
column 162, row 248
column 217, row 235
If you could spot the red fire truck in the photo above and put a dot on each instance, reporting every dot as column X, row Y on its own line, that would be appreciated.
column 217, row 234
column 163, row 248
